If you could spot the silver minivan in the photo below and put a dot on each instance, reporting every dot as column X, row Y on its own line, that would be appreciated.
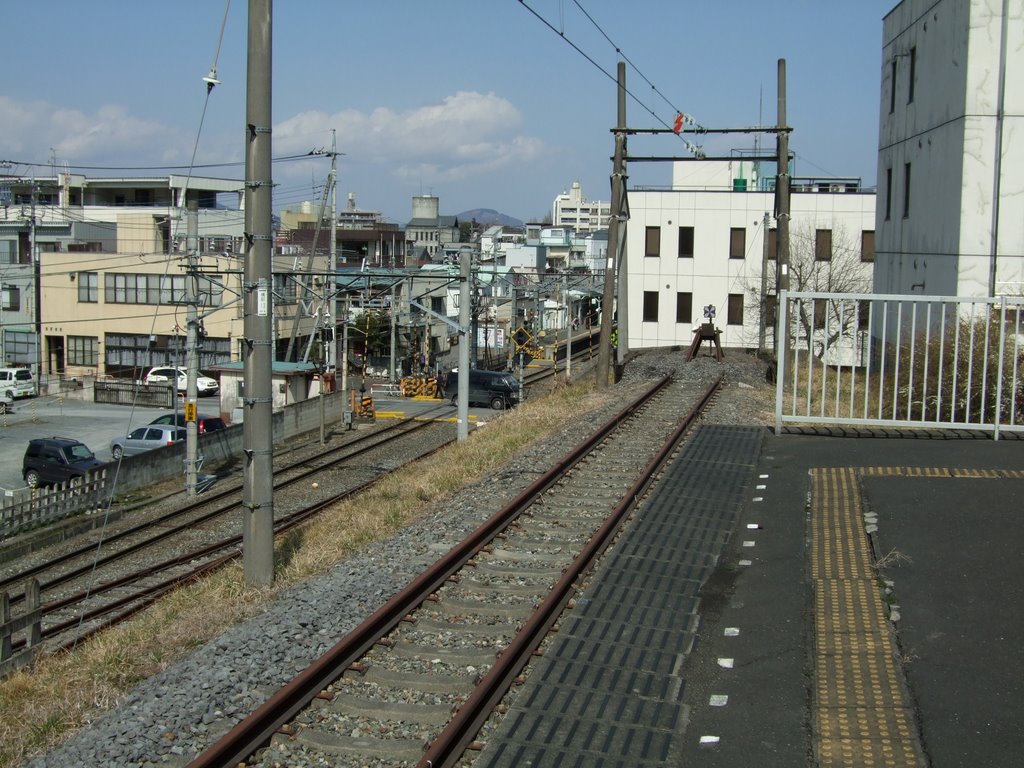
column 17, row 382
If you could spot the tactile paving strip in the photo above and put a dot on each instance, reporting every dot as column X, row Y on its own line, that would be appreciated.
column 861, row 713
column 608, row 691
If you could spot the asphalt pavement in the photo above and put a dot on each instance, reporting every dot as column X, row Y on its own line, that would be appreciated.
column 949, row 535
column 95, row 424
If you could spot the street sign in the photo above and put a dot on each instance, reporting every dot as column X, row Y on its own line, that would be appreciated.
column 709, row 311
column 190, row 412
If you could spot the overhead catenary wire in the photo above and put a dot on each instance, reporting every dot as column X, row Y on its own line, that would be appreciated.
column 614, row 78
column 154, row 315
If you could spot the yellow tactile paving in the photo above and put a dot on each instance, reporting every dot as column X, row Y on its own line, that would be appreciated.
column 861, row 715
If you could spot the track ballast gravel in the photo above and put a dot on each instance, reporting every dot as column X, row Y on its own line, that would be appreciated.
column 168, row 719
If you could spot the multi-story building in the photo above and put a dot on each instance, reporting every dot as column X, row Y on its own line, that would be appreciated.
column 61, row 236
column 950, row 218
column 702, row 243
column 427, row 230
column 362, row 237
column 112, row 282
column 571, row 210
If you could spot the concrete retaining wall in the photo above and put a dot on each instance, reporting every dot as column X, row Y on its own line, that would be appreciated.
column 224, row 447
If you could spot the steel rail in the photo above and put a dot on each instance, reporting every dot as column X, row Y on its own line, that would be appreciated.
column 254, row 731
column 449, row 746
column 206, row 500
column 167, row 533
column 143, row 598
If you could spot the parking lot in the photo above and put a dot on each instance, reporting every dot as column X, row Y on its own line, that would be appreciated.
column 92, row 423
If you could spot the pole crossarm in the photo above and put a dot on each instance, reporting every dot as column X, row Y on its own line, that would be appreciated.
column 751, row 129
column 674, row 158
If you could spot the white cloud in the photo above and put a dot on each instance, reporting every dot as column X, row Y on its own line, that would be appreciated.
column 30, row 129
column 462, row 136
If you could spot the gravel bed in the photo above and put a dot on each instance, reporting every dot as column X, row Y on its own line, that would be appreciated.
column 168, row 719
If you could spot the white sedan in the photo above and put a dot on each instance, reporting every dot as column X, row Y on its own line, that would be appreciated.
column 167, row 375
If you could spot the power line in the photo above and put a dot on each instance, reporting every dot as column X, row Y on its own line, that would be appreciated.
column 689, row 145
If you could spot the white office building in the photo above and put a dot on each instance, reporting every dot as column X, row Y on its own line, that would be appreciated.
column 571, row 210
column 701, row 242
column 950, row 217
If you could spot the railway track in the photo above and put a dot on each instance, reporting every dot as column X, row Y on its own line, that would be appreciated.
column 414, row 683
column 99, row 583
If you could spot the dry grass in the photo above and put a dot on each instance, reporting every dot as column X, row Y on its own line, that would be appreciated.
column 41, row 707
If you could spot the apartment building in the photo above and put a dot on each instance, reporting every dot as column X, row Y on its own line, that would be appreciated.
column 571, row 210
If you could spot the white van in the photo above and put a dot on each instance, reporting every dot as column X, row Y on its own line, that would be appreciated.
column 17, row 382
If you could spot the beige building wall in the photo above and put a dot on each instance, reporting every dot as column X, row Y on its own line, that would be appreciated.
column 78, row 319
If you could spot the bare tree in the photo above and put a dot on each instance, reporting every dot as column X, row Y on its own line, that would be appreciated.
column 820, row 260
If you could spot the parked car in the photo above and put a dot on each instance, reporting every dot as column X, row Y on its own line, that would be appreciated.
column 145, row 439
column 6, row 403
column 204, row 423
column 498, row 389
column 170, row 375
column 51, row 460
column 17, row 382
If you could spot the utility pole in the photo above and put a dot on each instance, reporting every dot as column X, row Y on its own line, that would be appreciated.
column 568, row 326
column 465, row 268
column 604, row 354
column 37, row 269
column 191, row 346
column 257, row 433
column 764, row 284
column 782, row 198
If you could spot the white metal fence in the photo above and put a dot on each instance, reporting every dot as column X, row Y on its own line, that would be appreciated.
column 935, row 362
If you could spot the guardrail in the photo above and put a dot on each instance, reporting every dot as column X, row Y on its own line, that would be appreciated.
column 939, row 362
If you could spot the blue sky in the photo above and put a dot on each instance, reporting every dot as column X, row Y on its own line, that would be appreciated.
column 476, row 101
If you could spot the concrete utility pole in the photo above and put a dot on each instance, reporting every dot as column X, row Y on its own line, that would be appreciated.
column 257, row 351
column 465, row 265
column 764, row 284
column 604, row 354
column 191, row 345
column 782, row 197
column 568, row 327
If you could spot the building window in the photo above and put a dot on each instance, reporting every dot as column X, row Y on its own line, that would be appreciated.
column 650, row 306
column 888, row 193
column 737, row 243
column 652, row 245
column 892, row 86
column 686, row 242
column 119, row 288
column 911, row 75
column 867, row 245
column 823, row 245
column 735, row 314
column 88, row 287
column 10, row 299
column 684, row 307
column 284, row 288
column 906, row 190
column 83, row 350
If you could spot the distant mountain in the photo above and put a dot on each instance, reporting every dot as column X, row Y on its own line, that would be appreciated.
column 488, row 216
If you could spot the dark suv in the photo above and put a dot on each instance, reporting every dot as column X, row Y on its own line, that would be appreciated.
column 51, row 460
